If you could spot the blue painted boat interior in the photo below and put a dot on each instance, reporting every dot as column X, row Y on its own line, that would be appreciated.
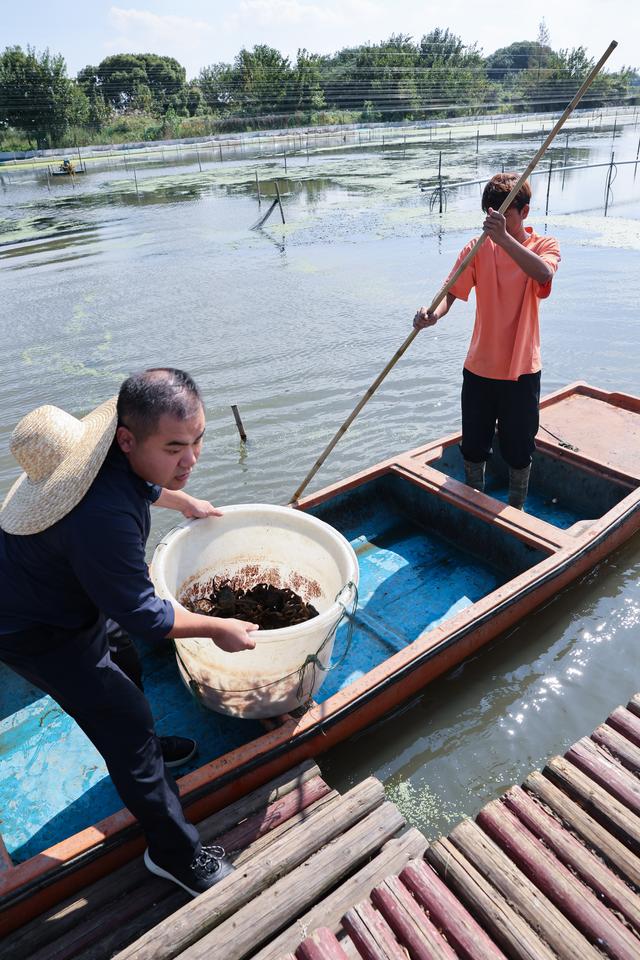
column 421, row 560
column 53, row 783
column 559, row 492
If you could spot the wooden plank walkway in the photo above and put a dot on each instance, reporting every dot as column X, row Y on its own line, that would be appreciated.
column 550, row 870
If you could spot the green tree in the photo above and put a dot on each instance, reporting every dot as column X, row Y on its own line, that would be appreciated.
column 305, row 84
column 217, row 83
column 129, row 81
column 451, row 75
column 262, row 76
column 36, row 95
column 504, row 64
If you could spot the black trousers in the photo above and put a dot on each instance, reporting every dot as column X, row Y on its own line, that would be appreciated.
column 78, row 671
column 512, row 404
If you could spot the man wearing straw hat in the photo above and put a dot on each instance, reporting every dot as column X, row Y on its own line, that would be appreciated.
column 73, row 530
column 511, row 273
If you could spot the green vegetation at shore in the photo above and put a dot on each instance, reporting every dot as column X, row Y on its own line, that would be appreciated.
column 142, row 97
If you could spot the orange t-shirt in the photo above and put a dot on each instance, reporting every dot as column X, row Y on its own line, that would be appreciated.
column 506, row 334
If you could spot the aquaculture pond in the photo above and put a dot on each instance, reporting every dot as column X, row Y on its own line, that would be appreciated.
column 142, row 263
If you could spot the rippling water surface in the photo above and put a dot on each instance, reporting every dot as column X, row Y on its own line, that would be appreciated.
column 292, row 323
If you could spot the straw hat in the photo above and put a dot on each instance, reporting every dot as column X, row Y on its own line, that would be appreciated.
column 61, row 457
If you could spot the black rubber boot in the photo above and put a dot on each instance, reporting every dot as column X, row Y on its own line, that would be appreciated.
column 474, row 474
column 518, row 486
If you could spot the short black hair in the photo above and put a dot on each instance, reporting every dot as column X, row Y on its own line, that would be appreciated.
column 498, row 189
column 145, row 396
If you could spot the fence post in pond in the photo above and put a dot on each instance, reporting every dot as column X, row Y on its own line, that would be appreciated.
column 220, row 149
column 564, row 162
column 198, row 156
column 440, row 177
column 607, row 189
column 279, row 201
column 258, row 189
column 478, row 140
column 135, row 179
column 615, row 124
column 284, row 154
column 241, row 430
column 548, row 187
column 49, row 179
column 635, row 169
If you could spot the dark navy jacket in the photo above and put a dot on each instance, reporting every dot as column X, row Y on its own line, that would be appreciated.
column 90, row 562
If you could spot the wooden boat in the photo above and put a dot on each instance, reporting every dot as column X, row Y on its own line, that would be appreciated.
column 67, row 172
column 443, row 570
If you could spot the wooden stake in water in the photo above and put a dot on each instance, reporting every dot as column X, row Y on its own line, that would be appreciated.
column 258, row 189
column 461, row 268
column 440, row 177
column 477, row 141
column 548, row 186
column 198, row 156
column 284, row 154
column 279, row 201
column 635, row 169
column 607, row 189
column 239, row 425
column 564, row 162
column 136, row 182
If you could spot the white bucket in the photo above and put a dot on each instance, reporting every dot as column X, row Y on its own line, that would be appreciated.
column 250, row 544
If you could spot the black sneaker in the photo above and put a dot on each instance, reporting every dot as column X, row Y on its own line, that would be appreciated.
column 206, row 869
column 177, row 750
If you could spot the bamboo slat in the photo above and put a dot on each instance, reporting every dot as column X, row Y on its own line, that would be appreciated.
column 634, row 704
column 530, row 902
column 371, row 934
column 447, row 913
column 600, row 804
column 610, row 775
column 572, row 897
column 625, row 723
column 573, row 854
column 392, row 858
column 589, row 830
column 193, row 921
column 412, row 927
column 494, row 911
column 321, row 945
column 618, row 746
column 249, row 927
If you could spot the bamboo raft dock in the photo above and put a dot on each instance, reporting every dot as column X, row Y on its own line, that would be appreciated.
column 549, row 870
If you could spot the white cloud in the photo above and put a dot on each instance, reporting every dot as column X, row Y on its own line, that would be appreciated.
column 332, row 12
column 142, row 31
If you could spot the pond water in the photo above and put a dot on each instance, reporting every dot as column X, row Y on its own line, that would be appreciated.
column 142, row 264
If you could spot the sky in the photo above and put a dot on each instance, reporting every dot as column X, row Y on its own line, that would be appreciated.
column 198, row 33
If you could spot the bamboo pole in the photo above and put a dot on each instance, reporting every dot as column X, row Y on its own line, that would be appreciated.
column 463, row 266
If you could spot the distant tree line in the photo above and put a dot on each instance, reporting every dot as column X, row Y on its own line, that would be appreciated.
column 148, row 97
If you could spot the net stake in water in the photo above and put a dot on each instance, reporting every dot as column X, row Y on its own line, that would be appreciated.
column 241, row 430
column 463, row 266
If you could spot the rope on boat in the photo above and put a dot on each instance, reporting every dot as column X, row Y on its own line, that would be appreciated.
column 563, row 443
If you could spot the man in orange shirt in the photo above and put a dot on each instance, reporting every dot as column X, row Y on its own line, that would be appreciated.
column 511, row 273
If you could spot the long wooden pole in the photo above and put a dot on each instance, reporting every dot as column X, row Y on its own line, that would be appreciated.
column 463, row 266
